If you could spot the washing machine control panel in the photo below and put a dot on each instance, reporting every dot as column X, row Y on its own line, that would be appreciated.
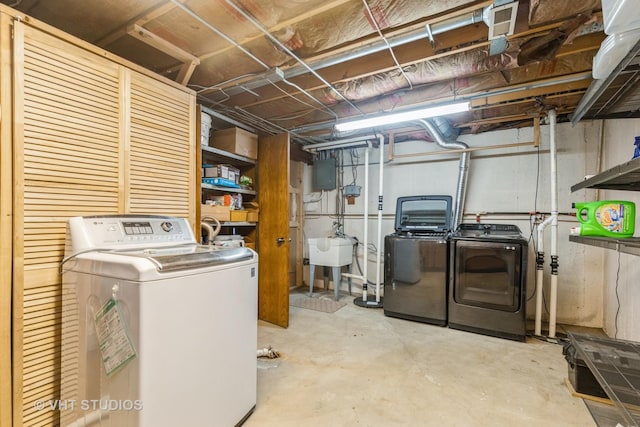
column 126, row 231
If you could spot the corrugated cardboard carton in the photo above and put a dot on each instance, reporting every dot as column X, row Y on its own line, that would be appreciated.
column 237, row 141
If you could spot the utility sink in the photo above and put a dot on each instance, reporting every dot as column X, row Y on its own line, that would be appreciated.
column 330, row 251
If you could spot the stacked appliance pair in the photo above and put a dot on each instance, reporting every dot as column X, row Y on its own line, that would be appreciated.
column 472, row 278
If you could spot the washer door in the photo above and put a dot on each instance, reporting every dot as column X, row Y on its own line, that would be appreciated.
column 487, row 274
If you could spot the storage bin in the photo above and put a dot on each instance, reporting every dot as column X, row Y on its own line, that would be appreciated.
column 612, row 50
column 237, row 141
column 580, row 375
column 620, row 16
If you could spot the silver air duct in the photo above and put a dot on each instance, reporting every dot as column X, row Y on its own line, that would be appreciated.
column 432, row 126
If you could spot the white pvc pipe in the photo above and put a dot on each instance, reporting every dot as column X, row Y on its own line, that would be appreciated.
column 554, row 224
column 344, row 143
column 380, row 197
column 366, row 217
column 540, row 277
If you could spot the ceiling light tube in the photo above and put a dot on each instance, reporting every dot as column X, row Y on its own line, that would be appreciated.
column 387, row 119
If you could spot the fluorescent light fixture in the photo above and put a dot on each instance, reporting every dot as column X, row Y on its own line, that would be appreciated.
column 440, row 110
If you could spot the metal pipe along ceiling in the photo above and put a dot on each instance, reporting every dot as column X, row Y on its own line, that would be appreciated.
column 281, row 45
column 249, row 54
column 379, row 45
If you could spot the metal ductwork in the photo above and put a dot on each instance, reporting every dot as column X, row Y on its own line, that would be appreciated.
column 437, row 128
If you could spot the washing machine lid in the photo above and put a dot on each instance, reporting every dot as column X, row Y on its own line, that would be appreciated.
column 155, row 264
column 493, row 232
column 423, row 214
column 179, row 258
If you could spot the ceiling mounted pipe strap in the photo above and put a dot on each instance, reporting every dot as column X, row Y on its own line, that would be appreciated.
column 430, row 36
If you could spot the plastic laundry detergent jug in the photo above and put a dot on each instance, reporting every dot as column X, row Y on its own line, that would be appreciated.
column 606, row 218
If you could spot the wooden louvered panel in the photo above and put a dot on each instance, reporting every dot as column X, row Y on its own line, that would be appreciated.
column 70, row 164
column 74, row 115
column 43, row 369
column 92, row 138
column 40, row 278
column 41, row 419
column 46, row 335
column 39, row 154
column 100, row 144
column 51, row 93
column 41, row 393
column 160, row 165
column 177, row 108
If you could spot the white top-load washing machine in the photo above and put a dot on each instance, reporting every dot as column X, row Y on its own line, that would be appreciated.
column 156, row 329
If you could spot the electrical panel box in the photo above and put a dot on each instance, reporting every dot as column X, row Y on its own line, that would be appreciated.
column 324, row 174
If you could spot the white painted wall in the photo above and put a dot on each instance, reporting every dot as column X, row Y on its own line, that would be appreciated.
column 502, row 188
column 621, row 271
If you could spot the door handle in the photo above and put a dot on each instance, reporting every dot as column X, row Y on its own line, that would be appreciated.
column 281, row 240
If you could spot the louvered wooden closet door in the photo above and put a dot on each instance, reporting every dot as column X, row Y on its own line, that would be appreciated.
column 161, row 121
column 91, row 137
column 66, row 164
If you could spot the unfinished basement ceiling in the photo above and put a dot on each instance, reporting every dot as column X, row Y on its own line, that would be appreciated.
column 301, row 65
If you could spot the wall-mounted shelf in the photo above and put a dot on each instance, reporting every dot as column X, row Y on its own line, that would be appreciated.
column 622, row 177
column 629, row 245
column 215, row 154
column 228, row 189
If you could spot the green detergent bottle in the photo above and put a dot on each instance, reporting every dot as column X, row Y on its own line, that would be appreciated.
column 606, row 218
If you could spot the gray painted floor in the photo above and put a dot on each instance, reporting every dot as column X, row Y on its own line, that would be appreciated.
column 359, row 367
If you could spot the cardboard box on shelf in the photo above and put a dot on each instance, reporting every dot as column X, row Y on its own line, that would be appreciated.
column 221, row 213
column 238, row 216
column 253, row 211
column 237, row 141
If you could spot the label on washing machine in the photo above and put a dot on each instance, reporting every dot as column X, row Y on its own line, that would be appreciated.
column 116, row 346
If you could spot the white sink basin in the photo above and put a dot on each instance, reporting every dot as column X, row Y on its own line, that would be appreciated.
column 330, row 251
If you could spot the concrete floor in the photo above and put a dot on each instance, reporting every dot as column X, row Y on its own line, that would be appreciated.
column 359, row 367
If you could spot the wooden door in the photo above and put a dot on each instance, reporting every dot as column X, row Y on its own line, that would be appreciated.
column 273, row 231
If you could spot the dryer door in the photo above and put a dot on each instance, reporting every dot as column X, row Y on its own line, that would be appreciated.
column 487, row 274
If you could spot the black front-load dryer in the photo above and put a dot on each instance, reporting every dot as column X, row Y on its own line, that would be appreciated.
column 487, row 280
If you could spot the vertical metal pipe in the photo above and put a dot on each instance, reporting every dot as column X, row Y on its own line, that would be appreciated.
column 461, row 189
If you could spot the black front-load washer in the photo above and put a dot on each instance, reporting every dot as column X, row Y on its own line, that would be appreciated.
column 487, row 280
